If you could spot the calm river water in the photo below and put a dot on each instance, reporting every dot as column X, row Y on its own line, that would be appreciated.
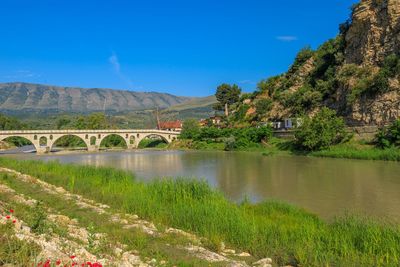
column 327, row 187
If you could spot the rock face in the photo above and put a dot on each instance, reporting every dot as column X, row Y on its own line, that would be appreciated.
column 378, row 111
column 357, row 73
column 374, row 32
column 373, row 35
column 25, row 97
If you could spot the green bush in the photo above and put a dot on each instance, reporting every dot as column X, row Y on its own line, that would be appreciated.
column 389, row 136
column 190, row 129
column 304, row 54
column 263, row 106
column 304, row 99
column 234, row 137
column 320, row 132
column 230, row 143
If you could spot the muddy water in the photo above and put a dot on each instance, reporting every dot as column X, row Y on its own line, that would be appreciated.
column 327, row 187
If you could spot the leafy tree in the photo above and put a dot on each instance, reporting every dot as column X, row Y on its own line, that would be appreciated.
column 241, row 112
column 269, row 85
column 389, row 136
column 263, row 106
column 94, row 121
column 62, row 122
column 303, row 100
column 97, row 121
column 80, row 123
column 322, row 131
column 9, row 123
column 227, row 95
column 304, row 54
column 391, row 65
column 190, row 129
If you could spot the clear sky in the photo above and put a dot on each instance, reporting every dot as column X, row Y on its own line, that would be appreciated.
column 183, row 47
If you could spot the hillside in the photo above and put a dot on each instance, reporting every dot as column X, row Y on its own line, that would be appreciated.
column 24, row 98
column 356, row 73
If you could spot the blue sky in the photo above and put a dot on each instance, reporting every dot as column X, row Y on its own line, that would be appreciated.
column 182, row 47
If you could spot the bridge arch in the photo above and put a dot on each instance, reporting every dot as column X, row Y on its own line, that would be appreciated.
column 24, row 140
column 82, row 138
column 123, row 137
column 164, row 137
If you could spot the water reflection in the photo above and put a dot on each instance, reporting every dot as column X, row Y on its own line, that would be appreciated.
column 327, row 187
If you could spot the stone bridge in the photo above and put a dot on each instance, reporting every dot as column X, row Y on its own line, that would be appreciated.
column 43, row 140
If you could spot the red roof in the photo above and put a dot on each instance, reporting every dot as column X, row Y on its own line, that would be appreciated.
column 170, row 124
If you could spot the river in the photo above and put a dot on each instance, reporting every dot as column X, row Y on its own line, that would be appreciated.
column 327, row 187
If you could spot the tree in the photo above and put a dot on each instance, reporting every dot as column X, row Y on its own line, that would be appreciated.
column 96, row 121
column 227, row 95
column 263, row 106
column 389, row 136
column 190, row 129
column 321, row 131
column 62, row 122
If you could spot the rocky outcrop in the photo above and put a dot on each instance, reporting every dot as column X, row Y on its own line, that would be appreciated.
column 357, row 73
column 374, row 32
column 377, row 111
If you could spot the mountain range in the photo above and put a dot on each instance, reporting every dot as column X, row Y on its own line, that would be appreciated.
column 45, row 99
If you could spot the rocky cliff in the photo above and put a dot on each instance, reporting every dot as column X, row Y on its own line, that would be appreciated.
column 374, row 32
column 356, row 73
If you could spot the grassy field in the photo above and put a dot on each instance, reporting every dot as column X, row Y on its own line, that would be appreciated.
column 288, row 234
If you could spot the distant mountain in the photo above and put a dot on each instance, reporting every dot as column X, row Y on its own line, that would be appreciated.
column 25, row 97
column 198, row 108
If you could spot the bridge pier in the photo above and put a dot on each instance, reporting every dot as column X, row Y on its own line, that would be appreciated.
column 42, row 149
column 93, row 148
column 131, row 146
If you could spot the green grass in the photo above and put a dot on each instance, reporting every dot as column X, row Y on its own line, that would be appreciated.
column 287, row 234
column 352, row 151
column 162, row 247
column 14, row 251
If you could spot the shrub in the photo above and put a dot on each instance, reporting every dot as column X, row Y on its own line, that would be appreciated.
column 230, row 143
column 269, row 85
column 190, row 129
column 304, row 54
column 240, row 114
column 263, row 106
column 320, row 132
column 304, row 99
column 389, row 136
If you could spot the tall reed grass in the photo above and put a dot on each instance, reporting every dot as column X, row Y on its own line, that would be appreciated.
column 350, row 152
column 287, row 234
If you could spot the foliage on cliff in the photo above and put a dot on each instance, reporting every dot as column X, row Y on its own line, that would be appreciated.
column 361, row 86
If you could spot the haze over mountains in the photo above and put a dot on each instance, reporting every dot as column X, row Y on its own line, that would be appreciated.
column 25, row 97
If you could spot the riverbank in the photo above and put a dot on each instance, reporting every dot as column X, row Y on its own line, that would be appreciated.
column 41, row 223
column 287, row 234
column 276, row 146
